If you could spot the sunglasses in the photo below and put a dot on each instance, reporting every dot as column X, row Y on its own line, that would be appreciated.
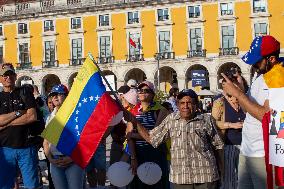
column 144, row 91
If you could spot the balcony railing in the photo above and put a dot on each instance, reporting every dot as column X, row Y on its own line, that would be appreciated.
column 228, row 51
column 196, row 53
column 165, row 55
column 23, row 65
column 73, row 2
column 105, row 60
column 37, row 7
column 163, row 18
column 50, row 64
column 76, row 62
column 134, row 57
column 259, row 9
column 47, row 4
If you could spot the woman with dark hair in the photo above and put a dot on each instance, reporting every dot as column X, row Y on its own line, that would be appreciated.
column 229, row 117
column 150, row 114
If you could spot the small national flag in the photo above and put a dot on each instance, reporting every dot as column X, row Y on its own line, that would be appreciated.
column 132, row 43
column 84, row 117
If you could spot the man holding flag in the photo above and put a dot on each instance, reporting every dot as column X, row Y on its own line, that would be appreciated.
column 264, row 56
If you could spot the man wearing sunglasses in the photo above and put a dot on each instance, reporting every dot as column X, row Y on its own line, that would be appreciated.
column 16, row 115
column 263, row 56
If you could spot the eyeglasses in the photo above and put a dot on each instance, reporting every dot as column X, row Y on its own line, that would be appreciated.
column 144, row 91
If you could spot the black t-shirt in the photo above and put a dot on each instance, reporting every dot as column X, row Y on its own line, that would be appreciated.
column 16, row 136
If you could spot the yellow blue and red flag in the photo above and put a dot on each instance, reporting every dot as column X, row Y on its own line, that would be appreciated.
column 82, row 120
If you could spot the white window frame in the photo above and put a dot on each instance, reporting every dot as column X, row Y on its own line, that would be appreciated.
column 139, row 17
column 18, row 49
column 43, row 26
column 169, row 14
column 194, row 5
column 105, row 33
column 219, row 9
column 193, row 26
column 98, row 20
column 76, row 36
column 259, row 20
column 235, row 33
column 70, row 24
column 28, row 29
column 55, row 48
column 257, row 13
column 171, row 38
column 127, row 40
column 202, row 35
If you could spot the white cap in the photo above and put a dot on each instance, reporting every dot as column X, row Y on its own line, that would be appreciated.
column 132, row 83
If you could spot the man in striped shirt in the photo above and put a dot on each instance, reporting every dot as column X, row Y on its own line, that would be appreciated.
column 194, row 140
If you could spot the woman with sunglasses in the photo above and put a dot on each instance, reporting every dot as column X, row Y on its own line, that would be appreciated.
column 149, row 114
column 229, row 117
column 65, row 174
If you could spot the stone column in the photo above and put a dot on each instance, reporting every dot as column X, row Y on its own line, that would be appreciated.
column 213, row 81
column 181, row 83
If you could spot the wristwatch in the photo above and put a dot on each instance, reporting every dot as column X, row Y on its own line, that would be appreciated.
column 17, row 113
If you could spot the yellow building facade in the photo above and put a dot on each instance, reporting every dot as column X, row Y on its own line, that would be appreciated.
column 190, row 42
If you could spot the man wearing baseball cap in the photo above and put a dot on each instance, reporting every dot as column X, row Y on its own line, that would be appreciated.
column 264, row 57
column 194, row 141
column 16, row 117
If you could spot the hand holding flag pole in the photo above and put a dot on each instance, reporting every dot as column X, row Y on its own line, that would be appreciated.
column 106, row 81
column 127, row 115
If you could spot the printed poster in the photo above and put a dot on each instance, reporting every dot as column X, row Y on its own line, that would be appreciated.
column 276, row 127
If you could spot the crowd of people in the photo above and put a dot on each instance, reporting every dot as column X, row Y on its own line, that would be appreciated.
column 195, row 150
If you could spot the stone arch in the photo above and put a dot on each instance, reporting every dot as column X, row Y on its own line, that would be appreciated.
column 136, row 74
column 201, row 77
column 168, row 78
column 224, row 68
column 24, row 80
column 71, row 79
column 48, row 82
column 111, row 77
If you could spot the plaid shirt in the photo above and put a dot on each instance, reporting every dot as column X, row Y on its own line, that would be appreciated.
column 192, row 148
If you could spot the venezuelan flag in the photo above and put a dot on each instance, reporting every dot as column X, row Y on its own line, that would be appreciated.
column 84, row 117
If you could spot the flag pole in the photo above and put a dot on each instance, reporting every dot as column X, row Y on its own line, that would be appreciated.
column 104, row 78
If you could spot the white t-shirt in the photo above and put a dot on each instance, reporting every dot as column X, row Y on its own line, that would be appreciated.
column 252, row 136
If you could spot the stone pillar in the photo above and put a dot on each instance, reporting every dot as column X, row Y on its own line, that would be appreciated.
column 213, row 81
column 181, row 83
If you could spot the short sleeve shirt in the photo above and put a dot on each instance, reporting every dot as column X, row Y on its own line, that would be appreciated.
column 252, row 136
column 192, row 147
column 17, row 136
